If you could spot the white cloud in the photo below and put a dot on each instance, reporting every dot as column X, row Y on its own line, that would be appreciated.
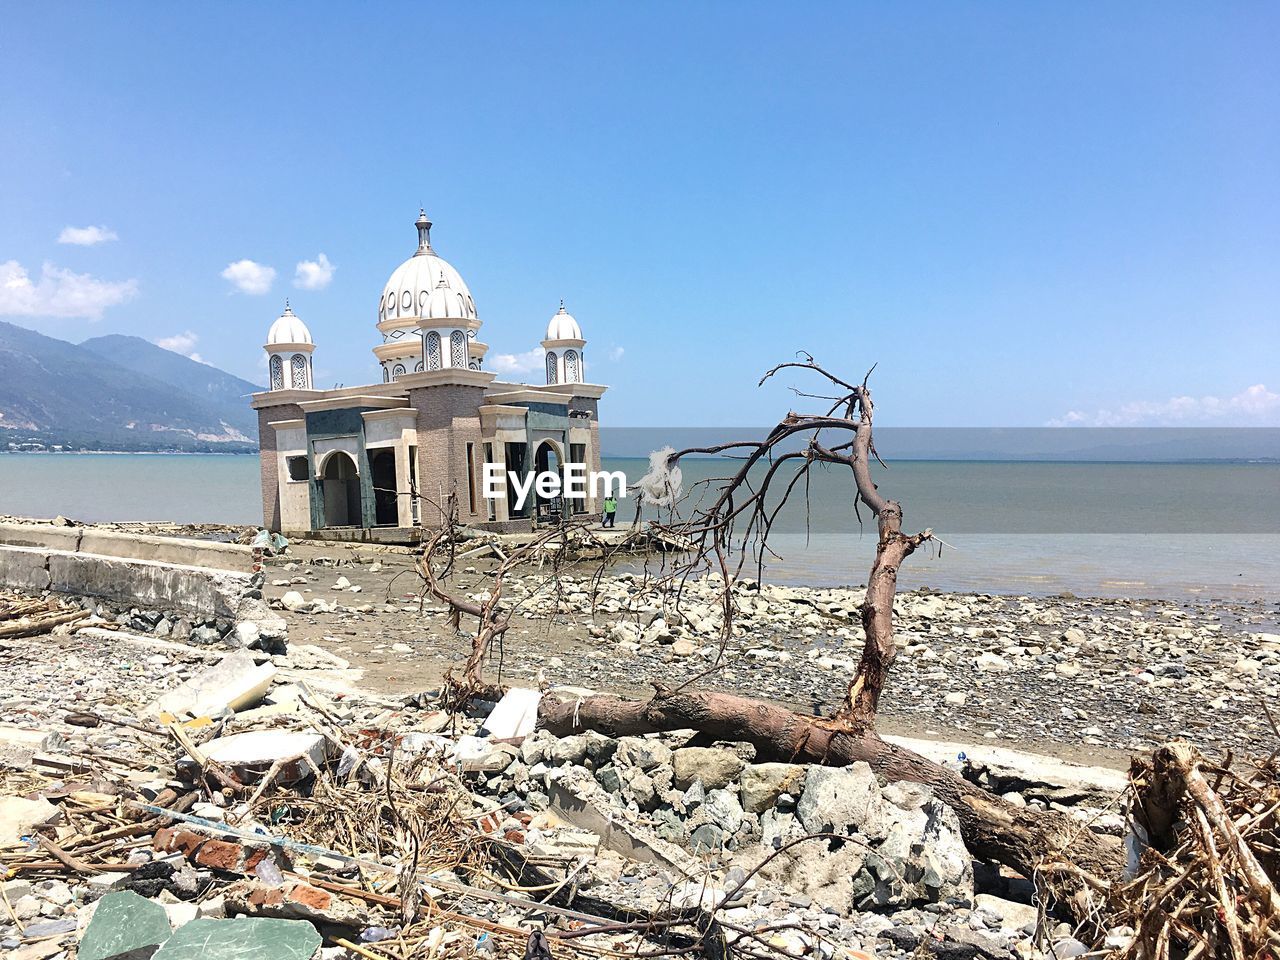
column 1252, row 406
column 250, row 277
column 59, row 292
column 86, row 236
column 182, row 343
column 517, row 362
column 314, row 274
column 615, row 353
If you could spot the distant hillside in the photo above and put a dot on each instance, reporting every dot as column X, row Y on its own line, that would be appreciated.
column 225, row 393
column 56, row 393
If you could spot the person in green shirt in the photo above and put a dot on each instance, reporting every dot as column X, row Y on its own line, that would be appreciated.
column 610, row 510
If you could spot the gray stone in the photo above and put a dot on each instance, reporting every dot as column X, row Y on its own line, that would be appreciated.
column 708, row 838
column 253, row 938
column 569, row 749
column 842, row 800
column 716, row 768
column 642, row 752
column 723, row 809
column 763, row 783
column 124, row 925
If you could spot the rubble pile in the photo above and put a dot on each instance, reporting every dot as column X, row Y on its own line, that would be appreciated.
column 158, row 795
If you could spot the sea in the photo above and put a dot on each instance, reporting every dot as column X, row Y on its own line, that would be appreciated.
column 1157, row 530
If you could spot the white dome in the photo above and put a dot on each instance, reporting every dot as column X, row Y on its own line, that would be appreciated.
column 288, row 329
column 426, row 287
column 563, row 326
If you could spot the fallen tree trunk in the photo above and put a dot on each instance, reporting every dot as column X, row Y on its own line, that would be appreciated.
column 1050, row 846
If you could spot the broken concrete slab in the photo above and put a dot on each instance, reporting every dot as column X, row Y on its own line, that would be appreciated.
column 20, row 816
column 514, row 716
column 125, row 926
column 233, row 682
column 178, row 550
column 250, row 755
column 149, row 583
column 41, row 535
column 246, row 938
column 24, row 568
column 577, row 799
column 292, row 900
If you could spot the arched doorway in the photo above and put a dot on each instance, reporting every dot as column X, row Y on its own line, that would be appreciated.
column 340, row 490
column 547, row 459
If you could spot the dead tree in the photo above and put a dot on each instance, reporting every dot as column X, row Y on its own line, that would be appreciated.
column 1067, row 860
column 436, row 566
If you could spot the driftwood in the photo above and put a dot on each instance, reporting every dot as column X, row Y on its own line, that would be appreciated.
column 1204, row 887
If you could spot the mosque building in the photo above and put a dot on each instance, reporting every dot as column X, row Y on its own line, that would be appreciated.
column 379, row 462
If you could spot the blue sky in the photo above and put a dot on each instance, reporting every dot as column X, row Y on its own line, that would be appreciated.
column 1025, row 213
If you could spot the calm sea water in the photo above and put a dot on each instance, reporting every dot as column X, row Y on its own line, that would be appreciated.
column 1097, row 529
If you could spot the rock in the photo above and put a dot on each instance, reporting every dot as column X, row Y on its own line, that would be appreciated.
column 248, row 633
column 569, row 749
column 342, row 583
column 293, row 600
column 763, row 783
column 643, row 752
column 723, row 809
column 716, row 768
column 708, row 838
column 842, row 800
column 623, row 632
column 1011, row 914
column 684, row 647
column 991, row 662
column 957, row 699
column 124, row 925
column 924, row 853
column 247, row 938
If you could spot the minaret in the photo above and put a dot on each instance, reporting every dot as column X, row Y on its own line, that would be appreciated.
column 289, row 348
column 563, row 349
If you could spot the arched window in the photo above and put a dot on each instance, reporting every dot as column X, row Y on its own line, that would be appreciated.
column 277, row 372
column 553, row 375
column 397, row 370
column 386, row 374
column 433, row 351
column 458, row 349
column 298, row 367
column 417, row 367
column 571, row 367
column 474, row 365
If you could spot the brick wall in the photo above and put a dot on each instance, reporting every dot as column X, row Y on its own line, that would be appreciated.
column 268, row 460
column 449, row 419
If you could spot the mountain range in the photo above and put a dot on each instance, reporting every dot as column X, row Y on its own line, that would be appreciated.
column 117, row 393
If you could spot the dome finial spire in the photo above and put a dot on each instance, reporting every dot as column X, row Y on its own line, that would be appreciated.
column 562, row 304
column 287, row 309
column 424, row 231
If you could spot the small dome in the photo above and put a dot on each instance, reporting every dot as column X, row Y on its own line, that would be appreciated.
column 426, row 286
column 563, row 326
column 288, row 329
